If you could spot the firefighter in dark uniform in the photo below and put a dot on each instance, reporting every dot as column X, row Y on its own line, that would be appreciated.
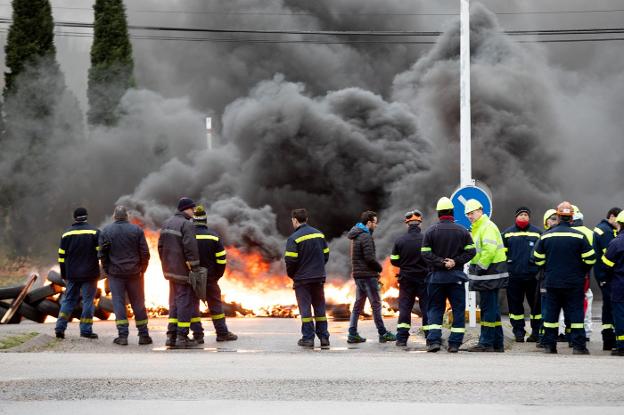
column 566, row 255
column 125, row 256
column 78, row 259
column 212, row 256
column 520, row 240
column 177, row 248
column 412, row 275
column 613, row 259
column 306, row 254
column 604, row 233
column 446, row 248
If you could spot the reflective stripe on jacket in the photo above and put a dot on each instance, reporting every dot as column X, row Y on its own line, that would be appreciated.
column 78, row 252
column 604, row 233
column 306, row 254
column 520, row 244
column 212, row 255
column 488, row 269
column 177, row 247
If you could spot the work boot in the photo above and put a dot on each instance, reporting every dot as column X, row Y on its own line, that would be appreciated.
column 145, row 339
column 550, row 349
column 580, row 351
column 532, row 339
column 433, row 348
column 91, row 335
column 355, row 338
column 539, row 345
column 171, row 340
column 562, row 338
column 479, row 348
column 387, row 337
column 324, row 341
column 519, row 339
column 306, row 343
column 60, row 334
column 183, row 342
column 226, row 337
column 199, row 338
column 401, row 343
column 608, row 345
column 617, row 352
column 453, row 348
column 499, row 349
column 122, row 341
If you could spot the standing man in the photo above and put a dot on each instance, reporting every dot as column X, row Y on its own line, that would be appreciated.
column 177, row 248
column 488, row 274
column 520, row 240
column 550, row 220
column 407, row 256
column 78, row 259
column 577, row 223
column 613, row 259
column 212, row 256
column 446, row 248
column 365, row 271
column 306, row 255
column 604, row 233
column 566, row 255
column 125, row 257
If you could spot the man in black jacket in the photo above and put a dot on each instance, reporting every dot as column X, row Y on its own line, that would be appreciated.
column 78, row 259
column 177, row 248
column 412, row 274
column 306, row 255
column 125, row 256
column 212, row 256
column 365, row 271
column 446, row 248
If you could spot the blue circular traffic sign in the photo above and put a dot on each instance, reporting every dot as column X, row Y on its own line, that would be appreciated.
column 463, row 195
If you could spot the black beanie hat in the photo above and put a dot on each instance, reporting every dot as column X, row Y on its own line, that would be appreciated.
column 523, row 209
column 80, row 214
column 185, row 203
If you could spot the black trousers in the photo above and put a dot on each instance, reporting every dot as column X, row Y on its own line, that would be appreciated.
column 409, row 290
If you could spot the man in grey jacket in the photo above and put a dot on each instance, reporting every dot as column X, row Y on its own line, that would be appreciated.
column 365, row 271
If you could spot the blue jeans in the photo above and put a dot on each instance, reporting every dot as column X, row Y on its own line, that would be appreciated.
column 73, row 291
column 618, row 317
column 367, row 288
column 491, row 326
column 134, row 287
column 312, row 296
column 571, row 300
column 437, row 296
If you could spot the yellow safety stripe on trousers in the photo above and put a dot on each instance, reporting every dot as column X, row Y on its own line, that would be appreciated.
column 608, row 326
column 184, row 324
column 619, row 338
column 435, row 327
column 291, row 254
column 195, row 319
column 588, row 253
column 458, row 330
column 425, row 328
column 98, row 248
column 61, row 260
column 320, row 318
column 81, row 232
column 538, row 255
column 598, row 231
column 589, row 261
column 61, row 251
column 491, row 323
column 404, row 326
column 121, row 322
column 63, row 315
column 326, row 251
column 425, row 249
column 306, row 319
column 566, row 234
column 86, row 320
column 540, row 263
column 551, row 325
column 510, row 234
column 207, row 237
column 607, row 262
column 516, row 316
column 309, row 236
column 536, row 316
column 222, row 261
column 217, row 316
column 222, row 253
column 469, row 246
column 173, row 320
column 568, row 330
column 140, row 322
column 577, row 326
column 394, row 257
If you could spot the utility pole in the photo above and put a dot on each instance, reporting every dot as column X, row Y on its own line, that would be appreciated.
column 209, row 133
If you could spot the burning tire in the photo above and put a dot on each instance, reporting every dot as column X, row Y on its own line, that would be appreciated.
column 42, row 293
column 10, row 293
column 55, row 277
column 49, row 307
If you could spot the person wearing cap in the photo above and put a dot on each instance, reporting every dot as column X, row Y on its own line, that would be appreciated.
column 519, row 240
column 613, row 259
column 550, row 219
column 604, row 233
column 179, row 254
column 566, row 256
column 212, row 256
column 78, row 260
column 488, row 274
column 306, row 254
column 407, row 257
column 125, row 256
column 446, row 248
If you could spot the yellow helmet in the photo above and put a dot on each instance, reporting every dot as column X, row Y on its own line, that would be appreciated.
column 620, row 217
column 444, row 204
column 472, row 205
column 548, row 214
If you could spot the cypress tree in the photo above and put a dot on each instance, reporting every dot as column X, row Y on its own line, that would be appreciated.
column 110, row 74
